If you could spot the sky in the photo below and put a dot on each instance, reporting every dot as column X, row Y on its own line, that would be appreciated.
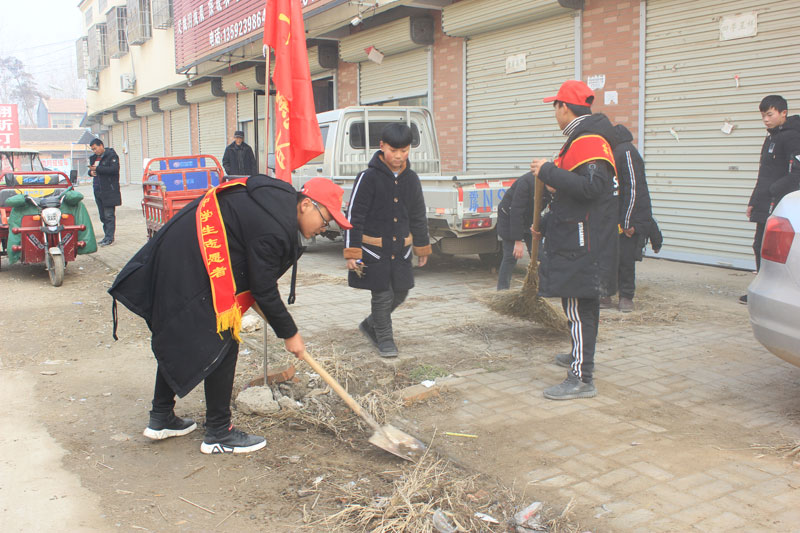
column 42, row 34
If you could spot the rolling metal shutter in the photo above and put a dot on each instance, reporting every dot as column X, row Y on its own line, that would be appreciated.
column 400, row 76
column 507, row 123
column 212, row 127
column 700, row 178
column 155, row 136
column 135, row 151
column 180, row 140
column 245, row 107
column 117, row 142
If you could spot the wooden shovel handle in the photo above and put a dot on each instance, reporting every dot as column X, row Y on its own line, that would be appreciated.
column 538, row 192
column 343, row 394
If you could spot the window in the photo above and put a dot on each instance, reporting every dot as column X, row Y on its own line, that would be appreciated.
column 96, row 45
column 162, row 14
column 87, row 17
column 140, row 28
column 101, row 5
column 356, row 134
column 321, row 157
column 117, row 20
column 82, row 57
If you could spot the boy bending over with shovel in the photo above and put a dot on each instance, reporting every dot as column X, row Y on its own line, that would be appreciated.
column 195, row 278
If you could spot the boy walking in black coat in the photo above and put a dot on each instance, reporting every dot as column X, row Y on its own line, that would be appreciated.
column 104, row 168
column 389, row 219
column 514, row 219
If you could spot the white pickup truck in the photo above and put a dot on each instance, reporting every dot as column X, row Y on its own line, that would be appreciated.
column 462, row 210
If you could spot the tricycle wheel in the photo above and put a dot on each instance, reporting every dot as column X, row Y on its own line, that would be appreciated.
column 56, row 269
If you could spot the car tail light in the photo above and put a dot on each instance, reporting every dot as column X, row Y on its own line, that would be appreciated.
column 475, row 223
column 778, row 237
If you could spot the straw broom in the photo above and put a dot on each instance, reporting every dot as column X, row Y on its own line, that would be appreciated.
column 526, row 303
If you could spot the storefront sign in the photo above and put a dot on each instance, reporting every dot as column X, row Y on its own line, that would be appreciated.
column 9, row 126
column 62, row 165
column 738, row 26
column 206, row 28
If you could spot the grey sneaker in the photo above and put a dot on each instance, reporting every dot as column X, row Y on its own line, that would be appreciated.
column 388, row 348
column 165, row 425
column 606, row 303
column 368, row 331
column 570, row 389
column 564, row 359
column 231, row 440
column 626, row 305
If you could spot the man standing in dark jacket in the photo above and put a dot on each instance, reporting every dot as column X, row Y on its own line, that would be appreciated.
column 774, row 170
column 239, row 159
column 580, row 248
column 389, row 220
column 635, row 213
column 196, row 277
column 104, row 169
column 514, row 219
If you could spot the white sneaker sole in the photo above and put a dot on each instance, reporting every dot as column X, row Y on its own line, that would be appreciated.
column 216, row 448
column 162, row 434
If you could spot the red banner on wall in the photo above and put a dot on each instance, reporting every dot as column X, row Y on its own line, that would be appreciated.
column 9, row 126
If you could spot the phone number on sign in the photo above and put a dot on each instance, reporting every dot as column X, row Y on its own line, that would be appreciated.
column 227, row 34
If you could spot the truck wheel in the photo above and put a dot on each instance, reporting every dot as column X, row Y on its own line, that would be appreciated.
column 491, row 260
column 57, row 270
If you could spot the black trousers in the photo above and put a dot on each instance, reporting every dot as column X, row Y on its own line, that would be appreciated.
column 218, row 387
column 758, row 239
column 583, row 316
column 629, row 250
column 107, row 217
column 383, row 303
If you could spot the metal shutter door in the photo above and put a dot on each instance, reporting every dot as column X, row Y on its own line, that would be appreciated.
column 245, row 107
column 117, row 142
column 507, row 123
column 180, row 141
column 135, row 151
column 700, row 179
column 212, row 127
column 155, row 136
column 399, row 76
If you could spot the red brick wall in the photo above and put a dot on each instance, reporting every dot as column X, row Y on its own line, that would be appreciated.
column 611, row 47
column 230, row 116
column 448, row 97
column 347, row 84
column 194, row 130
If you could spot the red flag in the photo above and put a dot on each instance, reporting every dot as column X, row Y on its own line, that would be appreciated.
column 297, row 135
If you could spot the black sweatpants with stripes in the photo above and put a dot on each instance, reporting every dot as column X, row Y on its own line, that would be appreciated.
column 583, row 315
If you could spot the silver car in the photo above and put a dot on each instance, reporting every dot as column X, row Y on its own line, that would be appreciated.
column 773, row 298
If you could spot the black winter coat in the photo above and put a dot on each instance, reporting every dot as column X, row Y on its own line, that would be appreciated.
column 389, row 218
column 774, row 172
column 581, row 238
column 239, row 160
column 106, row 182
column 167, row 284
column 515, row 210
column 635, row 209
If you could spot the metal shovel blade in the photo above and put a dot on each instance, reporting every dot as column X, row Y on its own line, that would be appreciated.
column 398, row 442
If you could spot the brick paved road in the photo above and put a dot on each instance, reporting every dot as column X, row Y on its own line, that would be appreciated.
column 666, row 445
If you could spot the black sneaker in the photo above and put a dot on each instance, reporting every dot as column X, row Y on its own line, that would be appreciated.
column 564, row 359
column 164, row 426
column 388, row 348
column 368, row 331
column 232, row 440
column 570, row 389
column 606, row 303
column 743, row 299
column 104, row 242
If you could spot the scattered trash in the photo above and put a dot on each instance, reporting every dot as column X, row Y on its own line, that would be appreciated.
column 486, row 518
column 294, row 459
column 441, row 523
column 318, row 480
column 244, row 351
column 634, row 443
column 428, row 383
column 48, row 373
column 530, row 512
column 106, row 394
column 605, row 511
column 466, row 435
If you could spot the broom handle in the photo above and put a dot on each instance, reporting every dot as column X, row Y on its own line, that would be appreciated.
column 538, row 192
column 343, row 394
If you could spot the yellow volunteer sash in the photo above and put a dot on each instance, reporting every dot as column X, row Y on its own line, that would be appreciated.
column 213, row 240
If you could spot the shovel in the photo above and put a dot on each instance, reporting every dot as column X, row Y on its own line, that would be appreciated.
column 386, row 437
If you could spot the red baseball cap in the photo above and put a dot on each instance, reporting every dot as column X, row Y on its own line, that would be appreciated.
column 325, row 192
column 573, row 92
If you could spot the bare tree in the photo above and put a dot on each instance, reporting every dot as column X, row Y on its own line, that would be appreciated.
column 17, row 86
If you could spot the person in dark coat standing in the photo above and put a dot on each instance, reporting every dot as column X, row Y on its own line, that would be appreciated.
column 774, row 169
column 387, row 211
column 514, row 219
column 193, row 280
column 635, row 213
column 104, row 169
column 579, row 263
column 239, row 159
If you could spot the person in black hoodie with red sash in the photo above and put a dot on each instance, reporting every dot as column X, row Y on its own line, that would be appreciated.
column 195, row 278
column 579, row 261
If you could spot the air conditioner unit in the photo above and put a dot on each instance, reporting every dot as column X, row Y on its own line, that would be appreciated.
column 93, row 80
column 127, row 83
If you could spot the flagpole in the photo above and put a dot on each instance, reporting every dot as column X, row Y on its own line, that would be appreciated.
column 266, row 171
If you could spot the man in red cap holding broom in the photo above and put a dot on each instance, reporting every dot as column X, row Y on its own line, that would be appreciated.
column 579, row 261
column 197, row 276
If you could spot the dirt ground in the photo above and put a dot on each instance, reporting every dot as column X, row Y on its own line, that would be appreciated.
column 77, row 401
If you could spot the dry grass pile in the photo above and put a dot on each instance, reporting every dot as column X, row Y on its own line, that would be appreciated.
column 432, row 487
